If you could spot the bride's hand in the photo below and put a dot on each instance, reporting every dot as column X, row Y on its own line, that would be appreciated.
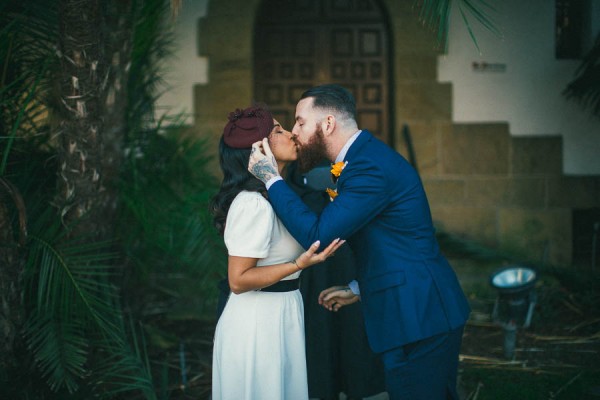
column 310, row 257
column 262, row 163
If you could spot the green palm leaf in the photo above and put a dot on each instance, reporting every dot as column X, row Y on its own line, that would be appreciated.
column 26, row 43
column 166, row 225
column 60, row 350
column 75, row 328
column 73, row 296
column 585, row 88
column 126, row 368
column 435, row 14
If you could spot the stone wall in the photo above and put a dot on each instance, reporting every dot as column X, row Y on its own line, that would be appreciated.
column 500, row 190
column 482, row 183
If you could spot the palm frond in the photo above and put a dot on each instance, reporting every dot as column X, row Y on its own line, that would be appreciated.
column 73, row 294
column 17, row 122
column 60, row 349
column 435, row 14
column 75, row 328
column 585, row 88
column 166, row 185
column 151, row 42
column 166, row 224
column 78, row 277
column 126, row 367
column 27, row 59
column 480, row 9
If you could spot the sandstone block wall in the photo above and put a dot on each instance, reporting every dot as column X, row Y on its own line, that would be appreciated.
column 482, row 182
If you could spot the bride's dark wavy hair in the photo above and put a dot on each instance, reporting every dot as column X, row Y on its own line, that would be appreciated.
column 236, row 177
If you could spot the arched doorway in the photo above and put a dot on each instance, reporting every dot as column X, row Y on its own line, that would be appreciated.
column 302, row 43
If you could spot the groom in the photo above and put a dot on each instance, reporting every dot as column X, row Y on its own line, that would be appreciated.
column 414, row 308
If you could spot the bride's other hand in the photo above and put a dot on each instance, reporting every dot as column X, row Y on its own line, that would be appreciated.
column 336, row 297
column 311, row 257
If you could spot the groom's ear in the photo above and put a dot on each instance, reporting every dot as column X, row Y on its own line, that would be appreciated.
column 328, row 125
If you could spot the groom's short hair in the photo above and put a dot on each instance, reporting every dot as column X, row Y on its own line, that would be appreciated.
column 332, row 97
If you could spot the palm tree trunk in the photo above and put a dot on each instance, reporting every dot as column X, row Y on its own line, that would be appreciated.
column 82, row 92
column 118, row 48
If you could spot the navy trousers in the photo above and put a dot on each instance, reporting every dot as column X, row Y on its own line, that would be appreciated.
column 424, row 370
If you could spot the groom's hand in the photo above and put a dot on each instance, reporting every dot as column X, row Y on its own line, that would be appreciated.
column 262, row 162
column 337, row 297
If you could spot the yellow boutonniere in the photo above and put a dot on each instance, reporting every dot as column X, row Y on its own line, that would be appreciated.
column 336, row 169
column 332, row 193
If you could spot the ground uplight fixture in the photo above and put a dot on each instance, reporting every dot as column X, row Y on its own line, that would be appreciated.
column 515, row 302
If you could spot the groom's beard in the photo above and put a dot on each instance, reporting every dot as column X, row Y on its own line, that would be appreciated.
column 312, row 153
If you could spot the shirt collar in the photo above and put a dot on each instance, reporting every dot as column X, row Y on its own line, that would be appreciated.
column 342, row 153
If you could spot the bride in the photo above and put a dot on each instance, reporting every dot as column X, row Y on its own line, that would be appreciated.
column 258, row 350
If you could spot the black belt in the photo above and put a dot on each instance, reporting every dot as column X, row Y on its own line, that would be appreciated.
column 283, row 286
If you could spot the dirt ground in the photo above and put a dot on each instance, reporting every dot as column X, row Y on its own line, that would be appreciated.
column 556, row 357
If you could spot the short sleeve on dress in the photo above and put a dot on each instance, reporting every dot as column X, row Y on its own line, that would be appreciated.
column 249, row 226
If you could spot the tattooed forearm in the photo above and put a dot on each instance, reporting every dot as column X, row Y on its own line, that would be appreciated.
column 262, row 163
column 264, row 169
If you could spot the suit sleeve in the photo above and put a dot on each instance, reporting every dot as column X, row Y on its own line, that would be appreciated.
column 362, row 195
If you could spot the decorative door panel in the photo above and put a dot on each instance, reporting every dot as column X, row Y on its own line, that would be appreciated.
column 345, row 42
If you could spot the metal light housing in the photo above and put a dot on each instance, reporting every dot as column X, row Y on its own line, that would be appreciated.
column 515, row 302
column 513, row 279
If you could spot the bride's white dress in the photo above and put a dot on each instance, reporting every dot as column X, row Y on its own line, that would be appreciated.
column 259, row 351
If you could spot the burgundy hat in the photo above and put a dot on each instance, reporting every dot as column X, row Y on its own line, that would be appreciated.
column 247, row 126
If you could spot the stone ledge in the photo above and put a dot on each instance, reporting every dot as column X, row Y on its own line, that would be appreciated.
column 506, row 191
column 424, row 101
column 443, row 192
column 538, row 235
column 477, row 149
column 475, row 223
column 574, row 192
column 536, row 155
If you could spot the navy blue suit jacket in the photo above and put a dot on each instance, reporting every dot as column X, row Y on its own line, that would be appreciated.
column 408, row 290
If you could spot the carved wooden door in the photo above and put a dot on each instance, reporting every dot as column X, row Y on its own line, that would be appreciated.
column 302, row 43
